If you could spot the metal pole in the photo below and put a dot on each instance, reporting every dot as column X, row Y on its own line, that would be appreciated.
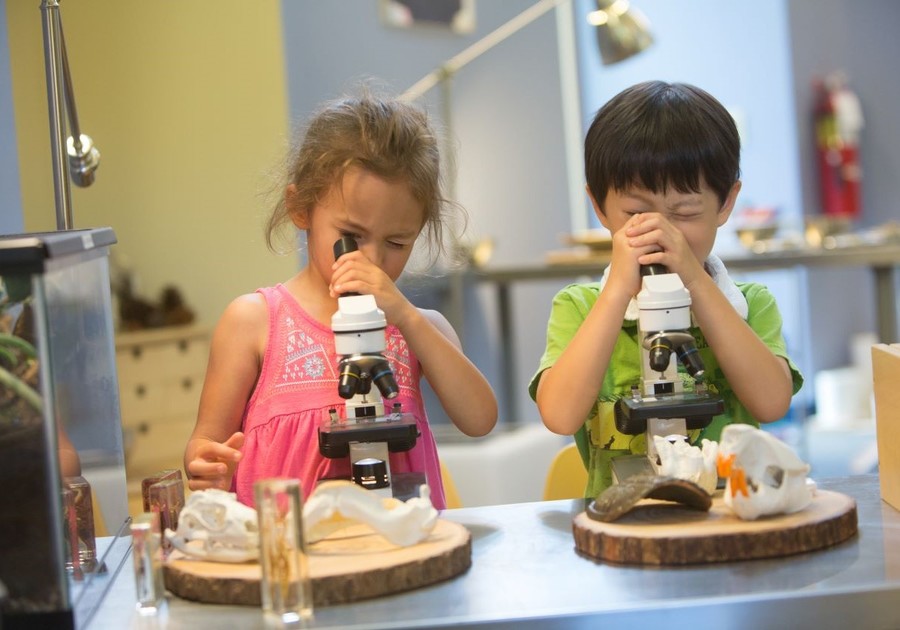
column 55, row 105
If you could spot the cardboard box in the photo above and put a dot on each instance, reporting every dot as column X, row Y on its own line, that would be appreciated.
column 886, row 374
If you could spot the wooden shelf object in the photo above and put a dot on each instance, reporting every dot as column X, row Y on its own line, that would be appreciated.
column 665, row 533
column 350, row 565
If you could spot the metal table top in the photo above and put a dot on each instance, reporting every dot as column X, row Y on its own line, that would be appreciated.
column 526, row 573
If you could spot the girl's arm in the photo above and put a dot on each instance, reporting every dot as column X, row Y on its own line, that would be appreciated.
column 464, row 393
column 235, row 357
column 568, row 390
column 760, row 379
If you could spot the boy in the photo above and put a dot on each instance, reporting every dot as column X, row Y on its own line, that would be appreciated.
column 662, row 164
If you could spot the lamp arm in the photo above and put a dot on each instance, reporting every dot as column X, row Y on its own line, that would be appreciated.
column 83, row 156
column 452, row 65
column 69, row 91
column 52, row 63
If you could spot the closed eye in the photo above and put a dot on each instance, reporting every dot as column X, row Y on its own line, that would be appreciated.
column 685, row 216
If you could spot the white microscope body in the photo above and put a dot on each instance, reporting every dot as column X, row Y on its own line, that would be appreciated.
column 365, row 433
column 358, row 327
column 659, row 405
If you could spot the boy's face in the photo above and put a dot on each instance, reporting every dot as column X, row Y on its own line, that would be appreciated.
column 696, row 215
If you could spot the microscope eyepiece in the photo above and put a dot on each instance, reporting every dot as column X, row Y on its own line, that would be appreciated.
column 656, row 269
column 344, row 245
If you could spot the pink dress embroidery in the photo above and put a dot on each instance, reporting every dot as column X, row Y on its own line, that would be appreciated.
column 298, row 385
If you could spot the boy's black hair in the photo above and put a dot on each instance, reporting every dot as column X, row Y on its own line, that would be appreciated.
column 654, row 135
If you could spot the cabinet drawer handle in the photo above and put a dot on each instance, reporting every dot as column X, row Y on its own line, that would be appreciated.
column 187, row 383
column 143, row 428
column 140, row 391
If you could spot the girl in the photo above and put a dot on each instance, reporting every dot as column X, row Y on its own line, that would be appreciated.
column 366, row 168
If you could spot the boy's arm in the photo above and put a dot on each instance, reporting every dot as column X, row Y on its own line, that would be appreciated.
column 464, row 393
column 213, row 449
column 761, row 380
column 568, row 389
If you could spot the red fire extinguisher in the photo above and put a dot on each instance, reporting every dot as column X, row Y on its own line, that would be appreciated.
column 838, row 120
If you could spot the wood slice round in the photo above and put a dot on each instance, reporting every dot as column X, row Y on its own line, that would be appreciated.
column 352, row 564
column 665, row 533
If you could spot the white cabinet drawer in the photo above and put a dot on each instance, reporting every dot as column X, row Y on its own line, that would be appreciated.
column 141, row 402
column 183, row 395
column 156, row 445
column 162, row 360
column 161, row 375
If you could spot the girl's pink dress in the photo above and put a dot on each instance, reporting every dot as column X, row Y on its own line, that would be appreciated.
column 298, row 384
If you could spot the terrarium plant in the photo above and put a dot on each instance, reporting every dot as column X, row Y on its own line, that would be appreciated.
column 20, row 402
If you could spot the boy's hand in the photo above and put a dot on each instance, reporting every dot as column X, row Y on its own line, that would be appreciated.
column 627, row 254
column 653, row 239
column 214, row 463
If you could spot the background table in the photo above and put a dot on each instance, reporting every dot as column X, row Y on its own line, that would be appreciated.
column 881, row 259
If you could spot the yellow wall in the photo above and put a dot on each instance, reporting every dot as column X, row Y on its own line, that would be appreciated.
column 187, row 104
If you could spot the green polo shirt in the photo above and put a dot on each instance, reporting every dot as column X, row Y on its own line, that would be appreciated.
column 598, row 440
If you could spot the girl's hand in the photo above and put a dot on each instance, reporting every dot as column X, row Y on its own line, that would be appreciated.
column 214, row 463
column 354, row 273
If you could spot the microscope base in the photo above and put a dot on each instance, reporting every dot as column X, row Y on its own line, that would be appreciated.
column 629, row 465
column 404, row 486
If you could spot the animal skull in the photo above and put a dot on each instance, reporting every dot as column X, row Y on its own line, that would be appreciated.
column 764, row 475
column 338, row 504
column 679, row 459
column 214, row 526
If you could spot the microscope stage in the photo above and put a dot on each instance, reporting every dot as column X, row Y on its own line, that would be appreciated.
column 697, row 410
column 398, row 430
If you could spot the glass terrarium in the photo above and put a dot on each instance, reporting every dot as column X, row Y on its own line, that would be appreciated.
column 59, row 414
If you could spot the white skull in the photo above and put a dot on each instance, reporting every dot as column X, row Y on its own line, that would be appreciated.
column 679, row 459
column 338, row 504
column 220, row 528
column 764, row 475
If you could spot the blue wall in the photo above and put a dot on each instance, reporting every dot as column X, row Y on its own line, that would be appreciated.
column 760, row 60
column 740, row 53
column 861, row 39
column 506, row 127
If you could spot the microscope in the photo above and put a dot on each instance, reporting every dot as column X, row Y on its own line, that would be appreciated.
column 365, row 433
column 658, row 405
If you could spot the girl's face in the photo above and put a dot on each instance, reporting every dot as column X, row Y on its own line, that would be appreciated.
column 382, row 215
column 697, row 215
